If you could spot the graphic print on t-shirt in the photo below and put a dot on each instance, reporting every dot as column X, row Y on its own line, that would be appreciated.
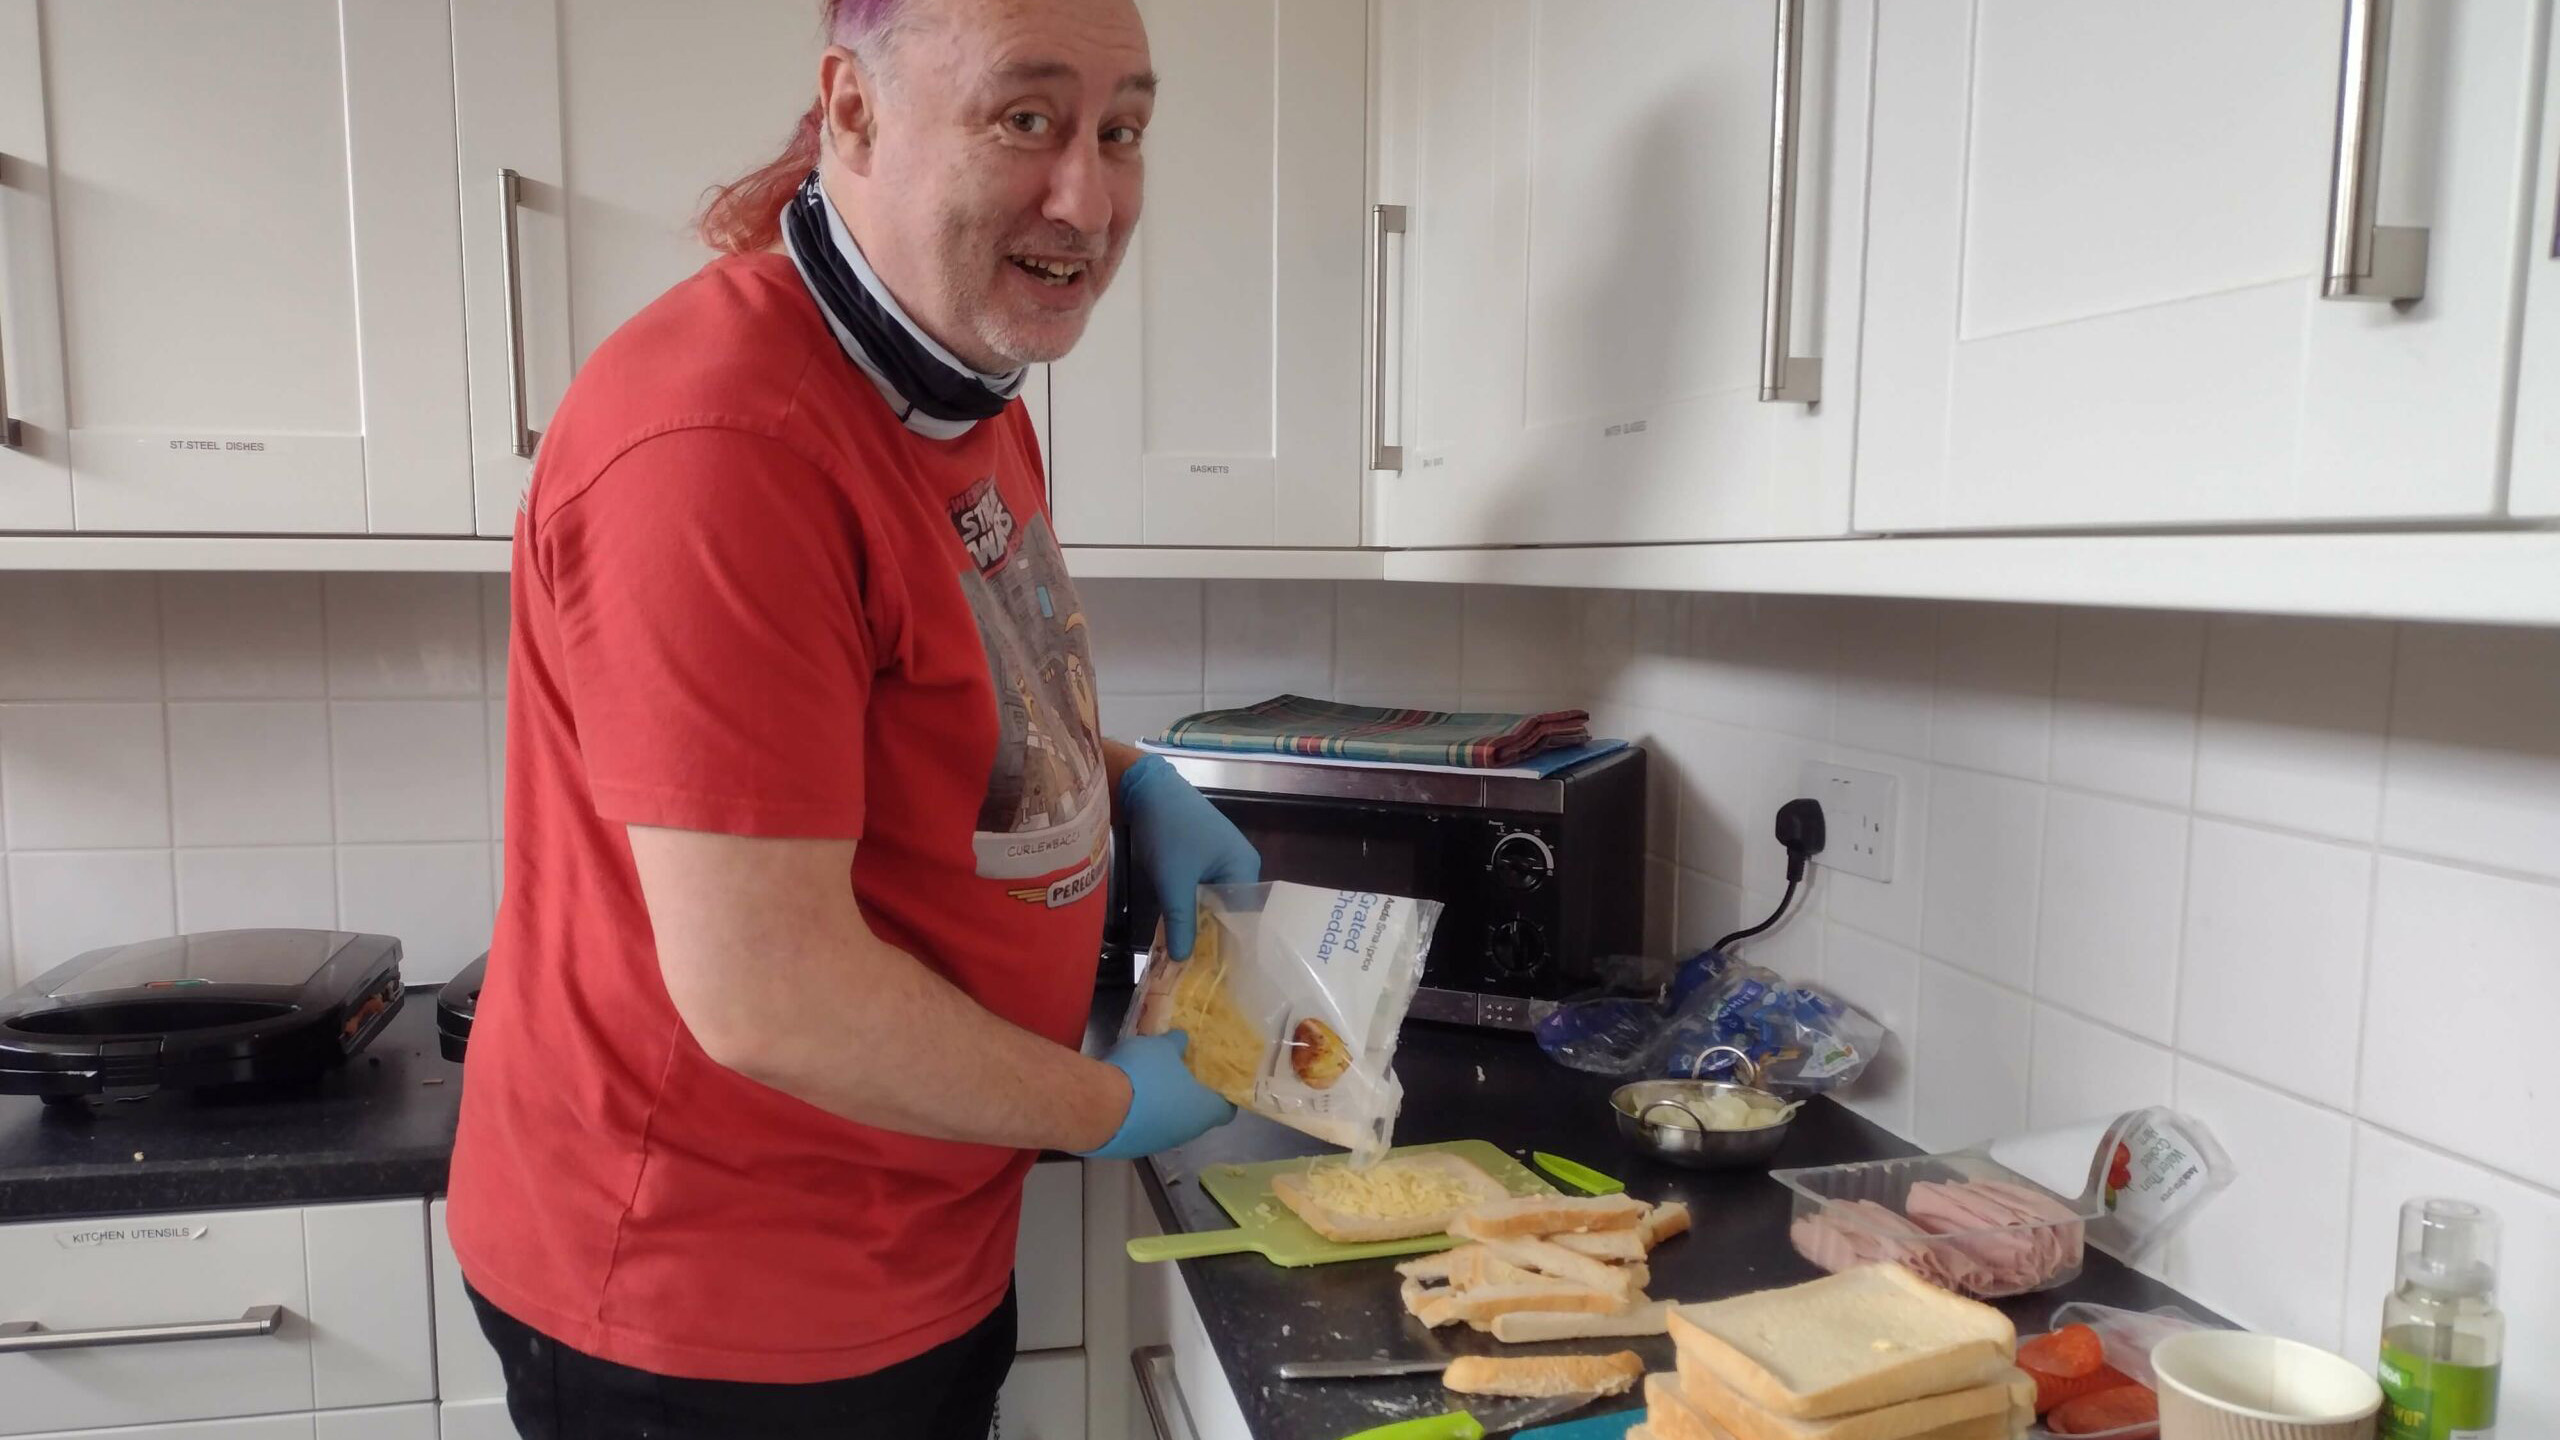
column 1047, row 811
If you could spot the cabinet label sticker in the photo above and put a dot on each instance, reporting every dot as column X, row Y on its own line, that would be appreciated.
column 92, row 1239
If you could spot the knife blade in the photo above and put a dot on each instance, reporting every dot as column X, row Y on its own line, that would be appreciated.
column 1355, row 1369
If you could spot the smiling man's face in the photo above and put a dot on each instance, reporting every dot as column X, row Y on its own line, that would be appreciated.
column 990, row 165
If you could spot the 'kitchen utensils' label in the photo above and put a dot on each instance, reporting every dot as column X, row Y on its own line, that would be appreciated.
column 103, row 1235
column 2436, row 1399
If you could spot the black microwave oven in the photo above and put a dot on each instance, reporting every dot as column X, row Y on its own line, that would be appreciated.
column 1540, row 876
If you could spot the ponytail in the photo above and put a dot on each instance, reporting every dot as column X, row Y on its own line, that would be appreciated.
column 745, row 215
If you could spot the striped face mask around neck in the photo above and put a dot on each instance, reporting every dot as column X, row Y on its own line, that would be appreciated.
column 934, row 393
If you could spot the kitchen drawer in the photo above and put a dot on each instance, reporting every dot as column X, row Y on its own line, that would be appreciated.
column 397, row 1422
column 1043, row 1399
column 1200, row 1390
column 466, row 1368
column 351, row 1281
column 1048, row 1260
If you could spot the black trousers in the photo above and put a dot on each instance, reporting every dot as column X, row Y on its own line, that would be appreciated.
column 556, row 1393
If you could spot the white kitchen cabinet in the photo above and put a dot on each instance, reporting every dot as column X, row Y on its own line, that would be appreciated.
column 1215, row 399
column 617, row 116
column 2534, row 489
column 475, row 1420
column 1604, row 383
column 1043, row 1398
column 354, row 1329
column 230, row 273
column 2095, row 246
column 398, row 1422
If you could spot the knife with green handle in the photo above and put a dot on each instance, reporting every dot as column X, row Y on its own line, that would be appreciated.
column 1460, row 1425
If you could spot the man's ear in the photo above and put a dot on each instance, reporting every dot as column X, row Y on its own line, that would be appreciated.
column 847, row 99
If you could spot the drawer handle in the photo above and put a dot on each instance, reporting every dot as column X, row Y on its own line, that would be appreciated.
column 510, row 276
column 1161, row 1391
column 1785, row 378
column 10, row 434
column 2366, row 261
column 26, row 1337
column 1384, row 220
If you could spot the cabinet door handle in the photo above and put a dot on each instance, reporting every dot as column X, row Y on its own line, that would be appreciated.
column 1790, row 379
column 26, row 1337
column 1160, row 1390
column 2365, row 261
column 10, row 434
column 1384, row 220
column 511, row 277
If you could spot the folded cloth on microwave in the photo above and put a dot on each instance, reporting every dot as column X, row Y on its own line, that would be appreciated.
column 1296, row 725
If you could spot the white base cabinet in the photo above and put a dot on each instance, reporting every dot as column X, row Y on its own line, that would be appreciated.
column 354, row 1333
column 397, row 1422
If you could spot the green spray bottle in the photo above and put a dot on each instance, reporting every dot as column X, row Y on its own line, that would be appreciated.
column 2441, row 1330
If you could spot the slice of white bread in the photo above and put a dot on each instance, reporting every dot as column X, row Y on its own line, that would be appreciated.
column 1552, row 1214
column 1614, row 1245
column 1990, row 1408
column 1667, row 1219
column 1538, row 1376
column 1399, row 1198
column 1481, row 1306
column 1522, row 1327
column 1549, row 1258
column 1853, row 1341
column 1465, row 1268
column 1674, row 1416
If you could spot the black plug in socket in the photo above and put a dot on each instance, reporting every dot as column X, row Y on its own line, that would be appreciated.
column 1801, row 830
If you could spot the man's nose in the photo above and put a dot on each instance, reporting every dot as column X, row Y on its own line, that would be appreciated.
column 1080, row 190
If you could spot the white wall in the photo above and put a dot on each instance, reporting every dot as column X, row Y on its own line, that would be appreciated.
column 193, row 752
column 2299, row 878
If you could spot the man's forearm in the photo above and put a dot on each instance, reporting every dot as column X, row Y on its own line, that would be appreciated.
column 804, row 997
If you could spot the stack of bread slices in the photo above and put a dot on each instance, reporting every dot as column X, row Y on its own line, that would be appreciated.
column 1547, row 1267
column 1869, row 1354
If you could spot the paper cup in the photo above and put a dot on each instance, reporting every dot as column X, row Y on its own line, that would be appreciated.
column 2232, row 1385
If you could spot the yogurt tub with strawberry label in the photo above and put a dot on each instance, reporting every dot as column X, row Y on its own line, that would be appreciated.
column 2012, row 1216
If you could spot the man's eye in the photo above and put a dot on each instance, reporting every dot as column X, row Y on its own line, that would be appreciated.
column 1122, row 134
column 1027, row 122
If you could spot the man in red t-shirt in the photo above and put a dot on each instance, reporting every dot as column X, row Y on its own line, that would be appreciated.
column 807, row 813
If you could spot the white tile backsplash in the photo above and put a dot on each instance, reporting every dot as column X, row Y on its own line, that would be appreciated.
column 266, row 885
column 2124, row 709
column 2293, row 723
column 84, row 777
column 2273, row 980
column 64, row 903
column 250, row 772
column 404, row 636
column 1986, row 838
column 2475, row 748
column 2090, row 936
column 2466, row 984
column 2264, row 1251
column 2115, row 879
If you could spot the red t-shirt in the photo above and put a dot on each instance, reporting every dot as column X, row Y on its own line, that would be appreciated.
column 747, row 600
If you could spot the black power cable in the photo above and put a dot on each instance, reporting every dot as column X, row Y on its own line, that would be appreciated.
column 1800, row 829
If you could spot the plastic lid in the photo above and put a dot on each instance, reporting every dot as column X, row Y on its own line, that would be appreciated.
column 2142, row 1173
column 2448, row 1246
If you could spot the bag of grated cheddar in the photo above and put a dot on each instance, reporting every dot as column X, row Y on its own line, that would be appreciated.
column 1292, row 998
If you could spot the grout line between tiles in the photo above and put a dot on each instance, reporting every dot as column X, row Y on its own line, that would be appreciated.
column 2373, row 877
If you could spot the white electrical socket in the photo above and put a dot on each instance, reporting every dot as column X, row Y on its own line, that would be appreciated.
column 1858, row 818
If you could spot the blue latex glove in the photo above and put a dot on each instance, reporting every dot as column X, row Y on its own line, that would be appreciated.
column 1183, row 843
column 1167, row 1107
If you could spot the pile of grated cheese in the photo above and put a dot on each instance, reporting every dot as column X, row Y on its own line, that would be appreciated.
column 1388, row 1190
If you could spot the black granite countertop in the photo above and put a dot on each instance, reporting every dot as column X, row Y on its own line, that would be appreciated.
column 1466, row 1085
column 381, row 1126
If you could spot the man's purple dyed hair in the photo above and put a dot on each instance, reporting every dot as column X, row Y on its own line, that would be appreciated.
column 745, row 215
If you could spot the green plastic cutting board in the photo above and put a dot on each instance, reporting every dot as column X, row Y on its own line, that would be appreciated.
column 1264, row 1224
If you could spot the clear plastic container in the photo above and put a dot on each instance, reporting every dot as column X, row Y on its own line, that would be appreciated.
column 1851, row 1215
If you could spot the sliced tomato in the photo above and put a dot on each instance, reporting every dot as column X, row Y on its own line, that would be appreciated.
column 2116, row 1409
column 2068, row 1353
column 2055, row 1391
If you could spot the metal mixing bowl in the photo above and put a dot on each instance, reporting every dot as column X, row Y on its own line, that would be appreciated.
column 1643, row 1108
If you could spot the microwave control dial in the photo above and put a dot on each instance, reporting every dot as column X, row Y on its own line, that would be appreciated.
column 1516, row 947
column 1522, row 861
